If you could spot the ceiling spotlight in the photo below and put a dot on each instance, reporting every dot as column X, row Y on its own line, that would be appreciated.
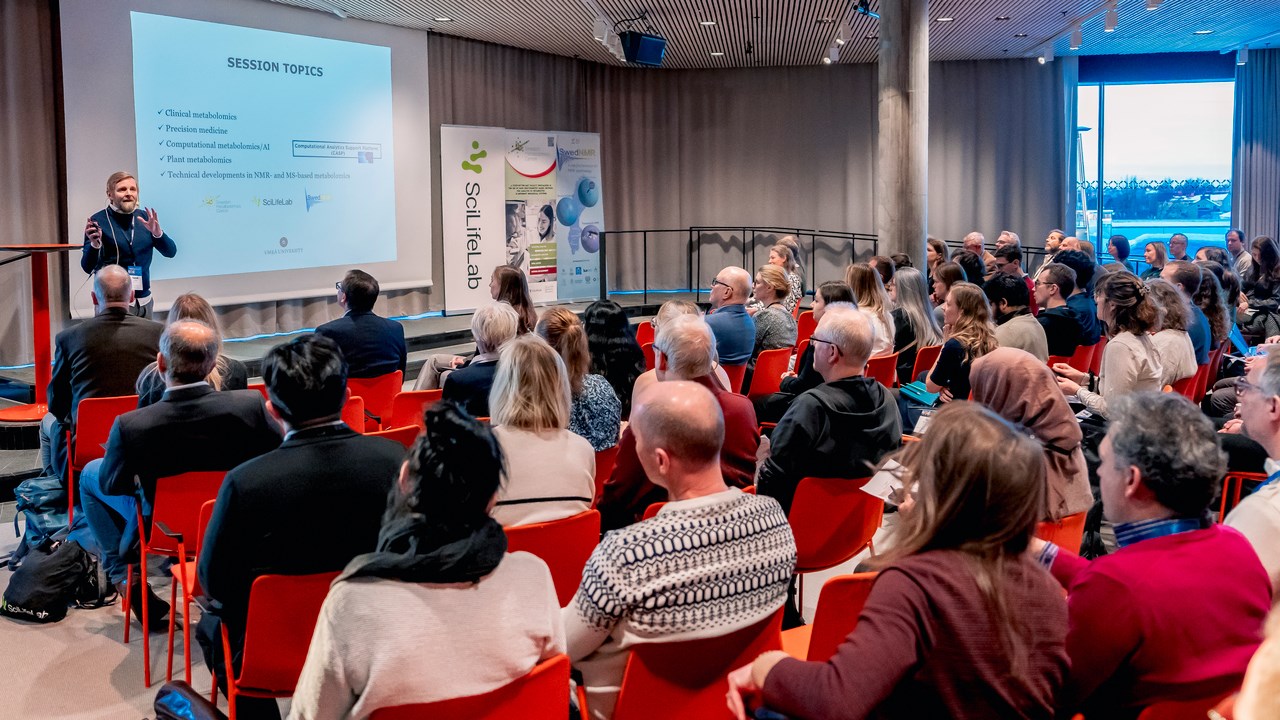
column 1112, row 20
column 1077, row 38
column 832, row 56
column 707, row 23
column 1154, row 4
column 1242, row 55
column 444, row 19
column 1002, row 17
column 840, row 40
column 1202, row 32
column 601, row 30
column 946, row 19
column 717, row 53
column 1019, row 35
column 1046, row 56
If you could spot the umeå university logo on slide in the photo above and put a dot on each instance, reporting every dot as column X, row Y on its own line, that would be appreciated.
column 476, row 157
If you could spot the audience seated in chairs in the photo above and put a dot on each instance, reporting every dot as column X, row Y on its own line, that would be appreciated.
column 684, row 349
column 1259, row 309
column 493, row 326
column 309, row 506
column 653, row 581
column 1016, row 327
column 969, row 334
column 439, row 610
column 1081, row 300
column 192, row 428
column 1186, row 277
column 960, row 622
column 550, row 471
column 1258, row 516
column 615, row 354
column 804, row 376
column 871, row 298
column 1143, row 628
column 372, row 345
column 1130, row 361
column 734, row 328
column 1022, row 390
column 596, row 413
column 1062, row 330
column 228, row 373
column 780, row 256
column 666, row 311
column 914, row 326
column 100, row 357
column 1173, row 344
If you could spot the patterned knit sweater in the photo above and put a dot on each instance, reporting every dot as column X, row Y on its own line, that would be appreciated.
column 700, row 568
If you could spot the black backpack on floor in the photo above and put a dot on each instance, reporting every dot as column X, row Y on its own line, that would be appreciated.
column 55, row 575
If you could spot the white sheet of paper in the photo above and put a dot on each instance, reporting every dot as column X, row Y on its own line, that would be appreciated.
column 885, row 484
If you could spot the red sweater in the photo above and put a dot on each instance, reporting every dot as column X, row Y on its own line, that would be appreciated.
column 1170, row 618
column 928, row 645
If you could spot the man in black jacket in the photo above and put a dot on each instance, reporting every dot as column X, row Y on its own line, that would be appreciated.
column 192, row 428
column 1055, row 283
column 309, row 506
column 371, row 345
column 100, row 357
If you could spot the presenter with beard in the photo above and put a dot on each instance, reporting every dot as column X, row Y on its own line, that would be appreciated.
column 124, row 234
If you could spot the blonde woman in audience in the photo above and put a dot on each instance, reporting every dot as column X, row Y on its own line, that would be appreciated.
column 960, row 622
column 668, row 310
column 968, row 334
column 596, row 413
column 1177, row 356
column 871, row 298
column 440, row 610
column 1130, row 361
column 775, row 325
column 228, row 373
column 550, row 471
column 790, row 242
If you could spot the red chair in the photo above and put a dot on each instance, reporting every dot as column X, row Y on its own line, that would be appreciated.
column 1187, row 387
column 403, row 435
column 407, row 407
column 832, row 520
column 883, row 369
column 261, row 388
column 800, row 351
column 564, row 545
column 1215, row 362
column 736, row 373
column 1196, row 709
column 688, row 680
column 1202, row 382
column 277, row 633
column 94, row 418
column 650, row 361
column 925, row 358
column 175, row 513
column 766, row 379
column 377, row 393
column 1065, row 533
column 184, row 576
column 805, row 325
column 839, row 605
column 795, row 309
column 1095, row 364
column 605, row 460
column 1055, row 359
column 1232, row 484
column 353, row 413
column 652, row 510
column 644, row 332
column 1082, row 358
column 540, row 695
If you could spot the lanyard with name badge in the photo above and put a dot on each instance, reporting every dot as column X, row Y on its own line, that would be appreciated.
column 135, row 271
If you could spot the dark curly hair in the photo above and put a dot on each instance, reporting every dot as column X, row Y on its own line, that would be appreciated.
column 455, row 468
column 615, row 354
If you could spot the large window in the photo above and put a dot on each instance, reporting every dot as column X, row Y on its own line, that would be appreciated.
column 1153, row 160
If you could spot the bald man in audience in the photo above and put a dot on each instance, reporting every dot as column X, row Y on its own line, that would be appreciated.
column 100, row 357
column 192, row 428
column 712, row 561
column 1186, row 276
column 973, row 242
column 735, row 330
column 1258, row 515
column 683, row 350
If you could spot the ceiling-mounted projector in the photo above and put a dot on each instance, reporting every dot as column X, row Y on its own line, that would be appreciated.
column 643, row 48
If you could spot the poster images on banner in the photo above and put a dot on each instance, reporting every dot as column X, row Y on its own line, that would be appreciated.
column 579, row 214
column 531, row 187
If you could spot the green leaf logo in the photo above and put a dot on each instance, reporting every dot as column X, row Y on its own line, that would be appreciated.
column 474, row 165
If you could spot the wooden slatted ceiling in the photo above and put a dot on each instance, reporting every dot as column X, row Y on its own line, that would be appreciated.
column 798, row 32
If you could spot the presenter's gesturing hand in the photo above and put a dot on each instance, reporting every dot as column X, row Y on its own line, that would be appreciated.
column 94, row 233
column 151, row 221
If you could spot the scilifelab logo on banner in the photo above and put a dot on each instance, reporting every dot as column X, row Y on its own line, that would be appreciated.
column 472, row 202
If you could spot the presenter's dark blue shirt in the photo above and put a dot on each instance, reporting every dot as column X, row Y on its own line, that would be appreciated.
column 125, row 242
column 735, row 333
column 371, row 344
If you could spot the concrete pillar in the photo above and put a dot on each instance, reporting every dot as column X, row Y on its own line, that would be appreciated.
column 902, row 155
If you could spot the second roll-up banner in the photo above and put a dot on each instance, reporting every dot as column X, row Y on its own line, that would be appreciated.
column 530, row 199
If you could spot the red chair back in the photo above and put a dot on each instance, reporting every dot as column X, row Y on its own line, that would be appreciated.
column 407, row 408
column 403, row 435
column 925, row 358
column 883, row 369
column 1232, row 484
column 1197, row 709
column 353, row 413
column 179, row 501
column 1055, row 359
column 1187, row 387
column 1095, row 363
column 94, row 418
column 282, row 617
column 1215, row 362
column 564, row 545
column 605, row 460
column 540, row 695
column 688, row 680
column 839, row 605
column 1065, row 533
column 377, row 393
column 766, row 379
column 832, row 520
column 805, row 325
column 644, row 332
column 261, row 388
column 1202, row 382
column 735, row 373
column 1082, row 358
column 650, row 362
column 801, row 349
column 652, row 510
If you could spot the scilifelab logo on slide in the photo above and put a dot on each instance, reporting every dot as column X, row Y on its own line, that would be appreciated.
column 472, row 211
